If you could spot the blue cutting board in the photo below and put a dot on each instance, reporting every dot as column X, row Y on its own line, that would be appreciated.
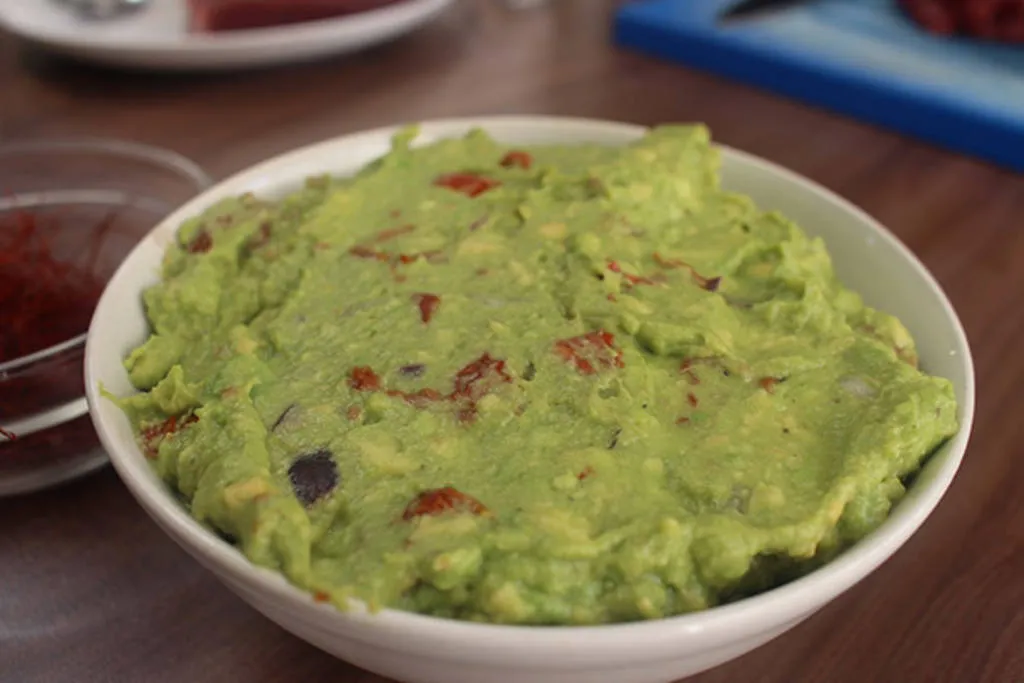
column 863, row 58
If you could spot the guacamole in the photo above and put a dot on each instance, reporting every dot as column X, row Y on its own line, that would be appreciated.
column 529, row 385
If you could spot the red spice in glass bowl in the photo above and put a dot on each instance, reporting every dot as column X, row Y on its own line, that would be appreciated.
column 70, row 211
column 45, row 301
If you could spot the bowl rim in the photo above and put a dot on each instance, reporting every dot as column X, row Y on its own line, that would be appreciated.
column 629, row 640
column 114, row 148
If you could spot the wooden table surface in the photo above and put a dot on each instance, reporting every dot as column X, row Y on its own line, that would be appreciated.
column 91, row 591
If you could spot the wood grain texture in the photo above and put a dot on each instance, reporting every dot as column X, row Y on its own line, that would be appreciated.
column 92, row 591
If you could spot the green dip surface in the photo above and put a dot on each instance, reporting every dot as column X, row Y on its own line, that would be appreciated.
column 542, row 385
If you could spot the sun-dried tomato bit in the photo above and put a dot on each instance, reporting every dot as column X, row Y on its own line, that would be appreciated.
column 710, row 284
column 363, row 378
column 364, row 252
column 417, row 398
column 769, row 383
column 152, row 435
column 590, row 352
column 434, row 256
column 320, row 596
column 474, row 381
column 392, row 233
column 260, row 238
column 201, row 243
column 666, row 263
column 471, row 384
column 313, row 476
column 517, row 158
column 585, row 473
column 479, row 377
column 428, row 305
column 691, row 398
column 630, row 279
column 438, row 501
column 691, row 377
column 361, row 251
column 682, row 420
column 469, row 184
column 686, row 368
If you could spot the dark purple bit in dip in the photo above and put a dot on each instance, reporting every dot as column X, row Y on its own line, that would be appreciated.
column 412, row 370
column 313, row 476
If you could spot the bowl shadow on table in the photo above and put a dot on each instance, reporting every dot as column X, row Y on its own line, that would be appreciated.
column 136, row 604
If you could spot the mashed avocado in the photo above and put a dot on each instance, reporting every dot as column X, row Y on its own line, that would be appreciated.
column 541, row 385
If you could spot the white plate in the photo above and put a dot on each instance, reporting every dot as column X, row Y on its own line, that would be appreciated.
column 156, row 37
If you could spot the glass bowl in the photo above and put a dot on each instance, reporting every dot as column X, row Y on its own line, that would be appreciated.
column 91, row 201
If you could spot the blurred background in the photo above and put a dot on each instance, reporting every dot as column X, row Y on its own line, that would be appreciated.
column 924, row 129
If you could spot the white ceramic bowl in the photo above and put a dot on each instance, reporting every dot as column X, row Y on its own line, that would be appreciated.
column 421, row 649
